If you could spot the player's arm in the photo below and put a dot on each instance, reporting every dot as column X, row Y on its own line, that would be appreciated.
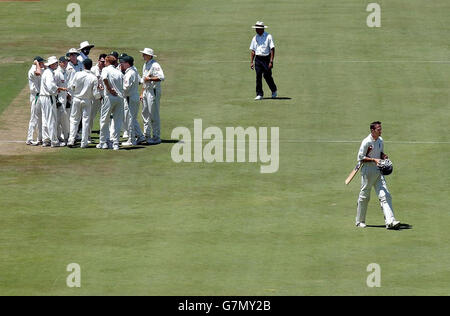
column 272, row 56
column 108, row 87
column 252, row 58
column 38, row 70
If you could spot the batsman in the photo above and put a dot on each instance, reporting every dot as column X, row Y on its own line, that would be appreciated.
column 375, row 166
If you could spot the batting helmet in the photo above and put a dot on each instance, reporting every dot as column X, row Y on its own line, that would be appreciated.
column 385, row 166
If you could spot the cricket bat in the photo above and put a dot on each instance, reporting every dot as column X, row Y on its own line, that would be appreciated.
column 357, row 167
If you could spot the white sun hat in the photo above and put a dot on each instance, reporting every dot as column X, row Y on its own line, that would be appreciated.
column 148, row 51
column 51, row 60
column 85, row 44
column 72, row 51
column 259, row 25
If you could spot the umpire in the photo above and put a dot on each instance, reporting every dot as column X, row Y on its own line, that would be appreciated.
column 262, row 55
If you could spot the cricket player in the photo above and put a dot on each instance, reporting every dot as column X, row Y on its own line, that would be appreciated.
column 372, row 177
column 97, row 104
column 85, row 89
column 47, row 98
column 63, row 113
column 112, row 103
column 262, row 55
column 34, row 82
column 131, row 99
column 152, row 75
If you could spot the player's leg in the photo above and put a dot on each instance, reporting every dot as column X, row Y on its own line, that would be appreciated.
column 367, row 181
column 33, row 119
column 118, row 112
column 384, row 196
column 104, row 123
column 146, row 104
column 75, row 117
column 45, row 109
column 155, row 118
column 86, row 114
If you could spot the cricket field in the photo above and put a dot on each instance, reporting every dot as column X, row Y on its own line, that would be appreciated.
column 138, row 223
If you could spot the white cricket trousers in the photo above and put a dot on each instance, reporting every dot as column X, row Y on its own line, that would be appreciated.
column 150, row 112
column 35, row 118
column 80, row 109
column 63, row 122
column 114, row 105
column 96, row 107
column 49, row 116
column 131, row 118
column 372, row 177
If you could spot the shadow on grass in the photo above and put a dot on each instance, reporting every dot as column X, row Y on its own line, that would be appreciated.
column 277, row 98
column 401, row 227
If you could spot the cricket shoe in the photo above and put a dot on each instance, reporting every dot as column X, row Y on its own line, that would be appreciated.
column 29, row 142
column 141, row 140
column 259, row 97
column 60, row 144
column 116, row 147
column 154, row 141
column 361, row 225
column 129, row 143
column 46, row 144
column 274, row 94
column 70, row 144
column 393, row 225
column 102, row 146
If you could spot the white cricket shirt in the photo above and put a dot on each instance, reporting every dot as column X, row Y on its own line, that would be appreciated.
column 262, row 44
column 115, row 79
column 85, row 86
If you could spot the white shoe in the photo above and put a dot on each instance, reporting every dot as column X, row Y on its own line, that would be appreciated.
column 58, row 145
column 29, row 143
column 274, row 95
column 70, row 144
column 116, row 147
column 259, row 97
column 361, row 225
column 128, row 143
column 84, row 145
column 394, row 225
column 45, row 144
column 125, row 134
column 99, row 146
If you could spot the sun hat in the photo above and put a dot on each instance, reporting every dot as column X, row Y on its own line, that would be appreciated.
column 85, row 44
column 51, row 60
column 259, row 25
column 148, row 51
column 72, row 51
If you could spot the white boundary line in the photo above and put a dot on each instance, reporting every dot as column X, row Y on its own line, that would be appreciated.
column 327, row 61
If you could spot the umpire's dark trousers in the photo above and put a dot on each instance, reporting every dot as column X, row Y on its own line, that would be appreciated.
column 262, row 69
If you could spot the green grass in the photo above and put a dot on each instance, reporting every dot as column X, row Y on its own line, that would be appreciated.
column 138, row 223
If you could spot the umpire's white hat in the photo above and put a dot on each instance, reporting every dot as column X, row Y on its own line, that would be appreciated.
column 259, row 25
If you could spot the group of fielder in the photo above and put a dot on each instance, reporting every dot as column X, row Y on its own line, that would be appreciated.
column 68, row 90
column 67, row 93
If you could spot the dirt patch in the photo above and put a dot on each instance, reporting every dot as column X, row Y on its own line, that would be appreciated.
column 14, row 127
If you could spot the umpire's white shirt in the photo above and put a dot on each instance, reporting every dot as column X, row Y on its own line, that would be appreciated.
column 152, row 69
column 34, row 81
column 115, row 79
column 85, row 86
column 377, row 148
column 262, row 44
column 48, row 84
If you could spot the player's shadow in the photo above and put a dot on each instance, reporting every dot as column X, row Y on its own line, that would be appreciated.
column 401, row 227
column 277, row 98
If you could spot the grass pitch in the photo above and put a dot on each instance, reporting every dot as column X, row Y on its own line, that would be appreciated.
column 138, row 223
